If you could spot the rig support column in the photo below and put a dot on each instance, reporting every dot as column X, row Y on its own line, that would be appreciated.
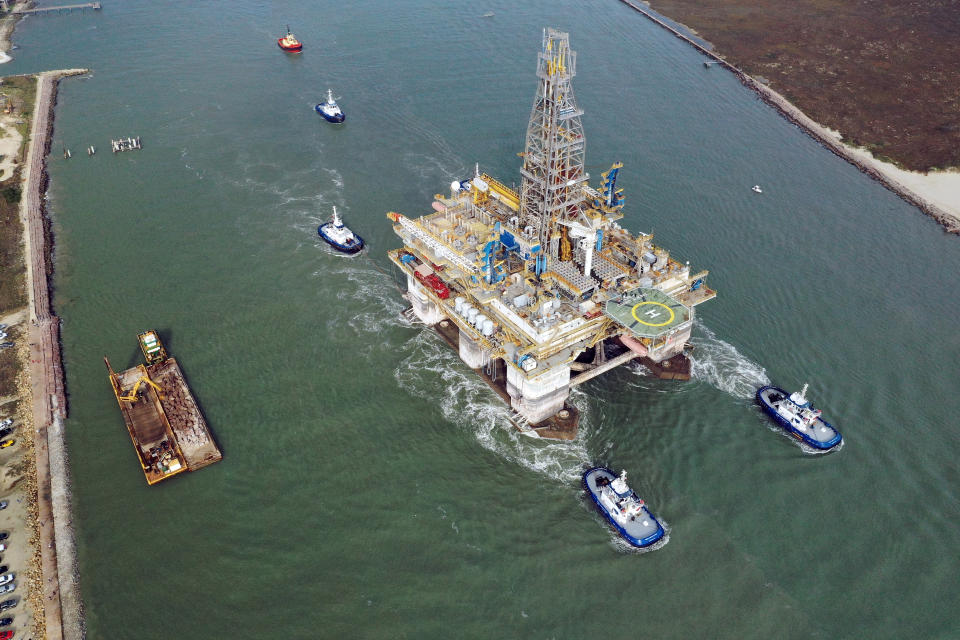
column 538, row 397
column 472, row 353
column 425, row 308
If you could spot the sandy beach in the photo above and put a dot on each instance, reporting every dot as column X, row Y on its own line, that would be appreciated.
column 7, row 25
column 940, row 189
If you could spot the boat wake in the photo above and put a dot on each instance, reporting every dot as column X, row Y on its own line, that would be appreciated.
column 4, row 57
column 369, row 297
column 432, row 371
column 719, row 364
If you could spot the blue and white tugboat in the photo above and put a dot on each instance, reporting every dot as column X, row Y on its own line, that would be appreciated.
column 798, row 417
column 330, row 110
column 622, row 506
column 339, row 236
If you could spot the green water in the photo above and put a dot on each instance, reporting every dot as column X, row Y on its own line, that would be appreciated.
column 371, row 486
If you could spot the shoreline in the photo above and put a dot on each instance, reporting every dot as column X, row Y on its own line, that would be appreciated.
column 8, row 24
column 44, row 379
column 928, row 192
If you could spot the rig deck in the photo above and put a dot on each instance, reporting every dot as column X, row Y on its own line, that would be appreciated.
column 165, row 424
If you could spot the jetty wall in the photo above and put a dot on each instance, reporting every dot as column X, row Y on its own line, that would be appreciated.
column 813, row 129
column 63, row 610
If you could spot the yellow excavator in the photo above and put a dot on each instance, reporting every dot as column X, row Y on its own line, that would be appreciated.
column 134, row 393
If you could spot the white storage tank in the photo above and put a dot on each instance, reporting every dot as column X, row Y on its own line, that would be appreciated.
column 487, row 329
column 471, row 314
column 458, row 303
column 479, row 320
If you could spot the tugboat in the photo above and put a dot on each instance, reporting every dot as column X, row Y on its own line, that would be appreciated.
column 756, row 189
column 622, row 506
column 330, row 110
column 798, row 417
column 340, row 237
column 290, row 43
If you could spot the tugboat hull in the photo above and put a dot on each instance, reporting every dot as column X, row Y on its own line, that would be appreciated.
column 296, row 48
column 337, row 119
column 640, row 532
column 351, row 248
column 825, row 436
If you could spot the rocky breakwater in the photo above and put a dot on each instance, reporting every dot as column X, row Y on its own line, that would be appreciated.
column 63, row 616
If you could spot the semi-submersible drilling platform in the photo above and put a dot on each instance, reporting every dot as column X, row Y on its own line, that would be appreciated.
column 529, row 286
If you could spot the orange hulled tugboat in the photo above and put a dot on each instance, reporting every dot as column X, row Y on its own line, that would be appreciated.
column 289, row 42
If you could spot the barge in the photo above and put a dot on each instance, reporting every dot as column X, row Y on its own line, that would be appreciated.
column 162, row 417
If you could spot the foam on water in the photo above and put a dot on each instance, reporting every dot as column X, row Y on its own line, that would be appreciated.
column 4, row 58
column 467, row 400
column 336, row 178
column 369, row 296
column 719, row 364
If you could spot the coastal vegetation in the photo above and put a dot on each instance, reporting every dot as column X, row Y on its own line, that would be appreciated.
column 12, row 275
column 881, row 73
column 12, row 289
column 16, row 98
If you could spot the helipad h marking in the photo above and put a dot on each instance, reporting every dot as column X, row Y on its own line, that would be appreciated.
column 652, row 313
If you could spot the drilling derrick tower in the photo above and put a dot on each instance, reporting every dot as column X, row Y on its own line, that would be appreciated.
column 552, row 176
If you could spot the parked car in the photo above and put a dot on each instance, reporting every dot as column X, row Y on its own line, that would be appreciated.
column 6, row 635
column 5, row 432
column 9, row 442
column 5, row 345
column 8, row 588
column 3, row 547
column 6, row 422
column 4, row 535
column 4, row 579
column 8, row 604
column 3, row 504
column 6, row 622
